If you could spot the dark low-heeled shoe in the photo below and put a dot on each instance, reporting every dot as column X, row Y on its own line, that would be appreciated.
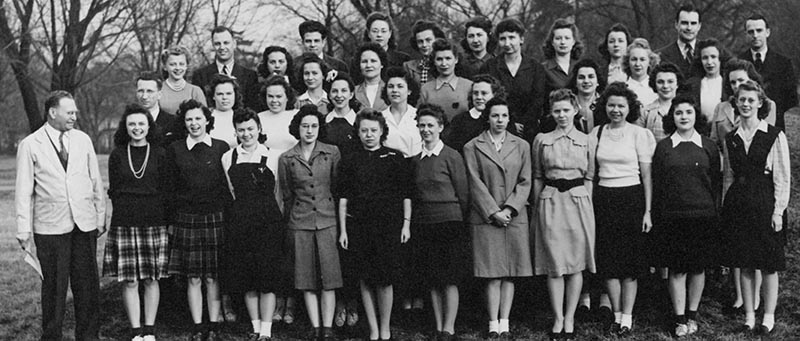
column 506, row 336
column 731, row 311
column 555, row 336
column 446, row 336
column 744, row 329
column 583, row 314
column 624, row 331
column 492, row 335
column 763, row 330
column 568, row 336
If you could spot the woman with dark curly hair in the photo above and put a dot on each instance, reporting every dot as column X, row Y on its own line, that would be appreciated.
column 372, row 65
column 380, row 29
column 306, row 174
column 423, row 34
column 226, row 97
column 562, row 48
column 478, row 45
column 587, row 82
column 709, row 90
column 313, row 70
column 686, row 187
column 666, row 80
column 136, row 251
column 447, row 90
column 613, row 49
column 275, row 121
column 276, row 61
column 375, row 185
column 199, row 195
column 400, row 116
column 622, row 199
column 254, row 241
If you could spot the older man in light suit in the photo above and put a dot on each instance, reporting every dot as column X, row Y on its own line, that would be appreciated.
column 60, row 203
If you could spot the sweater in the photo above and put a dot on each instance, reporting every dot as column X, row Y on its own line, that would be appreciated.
column 686, row 179
column 137, row 202
column 198, row 182
column 441, row 187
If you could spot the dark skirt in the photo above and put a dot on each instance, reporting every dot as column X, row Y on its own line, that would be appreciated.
column 253, row 257
column 376, row 247
column 446, row 257
column 135, row 253
column 685, row 245
column 315, row 259
column 620, row 248
column 747, row 228
column 196, row 245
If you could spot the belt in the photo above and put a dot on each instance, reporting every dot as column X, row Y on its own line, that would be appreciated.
column 564, row 185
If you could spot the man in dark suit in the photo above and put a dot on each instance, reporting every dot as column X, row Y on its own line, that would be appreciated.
column 775, row 68
column 224, row 50
column 682, row 52
column 315, row 37
column 148, row 94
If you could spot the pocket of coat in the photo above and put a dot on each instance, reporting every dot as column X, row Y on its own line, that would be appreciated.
column 547, row 192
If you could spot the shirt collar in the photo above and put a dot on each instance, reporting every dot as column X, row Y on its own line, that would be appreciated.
column 763, row 54
column 260, row 150
column 190, row 143
column 474, row 113
column 53, row 132
column 677, row 139
column 762, row 125
column 452, row 83
column 306, row 97
column 228, row 64
column 433, row 152
column 682, row 47
column 350, row 117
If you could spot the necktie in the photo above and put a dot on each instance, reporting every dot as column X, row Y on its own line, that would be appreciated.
column 689, row 54
column 225, row 70
column 758, row 62
column 63, row 153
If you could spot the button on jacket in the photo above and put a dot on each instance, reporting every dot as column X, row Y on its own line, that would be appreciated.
column 306, row 186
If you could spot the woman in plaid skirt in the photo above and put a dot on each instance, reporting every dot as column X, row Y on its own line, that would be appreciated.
column 199, row 195
column 136, row 249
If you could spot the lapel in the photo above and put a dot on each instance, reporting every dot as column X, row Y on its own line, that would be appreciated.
column 484, row 145
column 509, row 147
column 49, row 151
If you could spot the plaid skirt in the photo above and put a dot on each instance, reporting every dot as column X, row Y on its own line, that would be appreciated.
column 135, row 253
column 196, row 245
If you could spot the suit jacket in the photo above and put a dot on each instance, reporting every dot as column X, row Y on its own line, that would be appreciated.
column 525, row 91
column 672, row 53
column 361, row 97
column 779, row 81
column 335, row 63
column 249, row 87
column 497, row 179
column 51, row 200
column 169, row 128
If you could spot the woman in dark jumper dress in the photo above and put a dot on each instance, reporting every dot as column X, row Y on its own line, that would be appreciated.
column 254, row 245
column 754, row 209
column 686, row 186
column 199, row 195
column 468, row 124
column 375, row 186
column 136, row 250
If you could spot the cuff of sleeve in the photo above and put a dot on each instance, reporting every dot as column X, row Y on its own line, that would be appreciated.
column 514, row 212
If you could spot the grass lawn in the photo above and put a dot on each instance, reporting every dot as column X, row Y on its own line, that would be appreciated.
column 20, row 300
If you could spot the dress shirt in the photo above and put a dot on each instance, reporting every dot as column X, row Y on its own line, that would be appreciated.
column 778, row 163
column 403, row 135
column 220, row 67
column 55, row 136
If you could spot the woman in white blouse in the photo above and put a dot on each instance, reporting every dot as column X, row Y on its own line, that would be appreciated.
column 401, row 116
column 638, row 62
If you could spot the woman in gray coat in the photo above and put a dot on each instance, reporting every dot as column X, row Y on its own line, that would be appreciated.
column 499, row 172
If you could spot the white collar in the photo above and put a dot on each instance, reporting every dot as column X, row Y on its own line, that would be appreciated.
column 677, row 139
column 350, row 116
column 260, row 150
column 474, row 113
column 53, row 132
column 306, row 97
column 433, row 152
column 154, row 111
column 452, row 82
column 682, row 46
column 762, row 125
column 190, row 143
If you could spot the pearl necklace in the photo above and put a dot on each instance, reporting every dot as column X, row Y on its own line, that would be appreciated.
column 176, row 87
column 140, row 173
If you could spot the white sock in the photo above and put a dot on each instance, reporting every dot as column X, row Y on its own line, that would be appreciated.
column 750, row 319
column 626, row 320
column 618, row 317
column 494, row 326
column 266, row 329
column 256, row 325
column 586, row 300
column 504, row 325
column 768, row 321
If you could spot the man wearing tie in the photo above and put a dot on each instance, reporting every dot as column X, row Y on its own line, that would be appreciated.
column 60, row 202
column 775, row 68
column 682, row 52
column 224, row 51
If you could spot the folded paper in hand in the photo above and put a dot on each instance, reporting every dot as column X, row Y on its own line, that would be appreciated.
column 31, row 259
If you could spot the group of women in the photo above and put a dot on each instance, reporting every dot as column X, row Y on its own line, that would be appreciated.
column 414, row 172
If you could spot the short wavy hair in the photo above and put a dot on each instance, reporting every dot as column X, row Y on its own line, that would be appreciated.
column 561, row 23
column 276, row 80
column 432, row 110
column 369, row 114
column 603, row 46
column 498, row 90
column 307, row 110
column 750, row 85
column 399, row 72
column 121, row 137
column 563, row 94
column 640, row 43
column 191, row 104
column 667, row 67
column 697, row 62
column 495, row 101
column 736, row 64
column 586, row 63
column 380, row 16
column 618, row 89
column 374, row 47
column 422, row 26
column 355, row 105
column 263, row 67
column 700, row 120
column 310, row 58
column 225, row 79
column 244, row 115
column 484, row 24
column 509, row 25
